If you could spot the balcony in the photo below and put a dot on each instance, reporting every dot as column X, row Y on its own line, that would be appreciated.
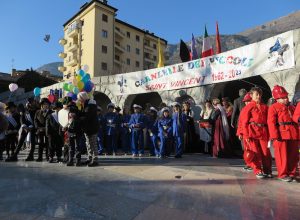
column 119, row 33
column 72, row 62
column 62, row 55
column 72, row 47
column 148, row 47
column 119, row 48
column 62, row 69
column 62, row 41
column 73, row 33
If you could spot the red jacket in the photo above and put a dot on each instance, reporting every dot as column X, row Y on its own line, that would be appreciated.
column 254, row 123
column 296, row 117
column 280, row 122
column 239, row 130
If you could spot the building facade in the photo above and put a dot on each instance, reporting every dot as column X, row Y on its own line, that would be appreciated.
column 107, row 45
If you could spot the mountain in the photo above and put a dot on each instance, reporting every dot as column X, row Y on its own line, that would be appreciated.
column 229, row 42
column 52, row 68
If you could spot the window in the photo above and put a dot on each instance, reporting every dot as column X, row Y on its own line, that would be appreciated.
column 128, row 48
column 128, row 34
column 128, row 61
column 104, row 34
column 82, row 23
column 154, row 58
column 137, row 51
column 137, row 38
column 104, row 49
column 104, row 66
column 117, row 57
column 104, row 18
column 154, row 46
column 137, row 64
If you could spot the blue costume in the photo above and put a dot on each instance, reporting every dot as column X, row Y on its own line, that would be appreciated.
column 152, row 126
column 137, row 123
column 165, row 127
column 179, row 123
column 100, row 137
column 111, row 120
column 125, row 133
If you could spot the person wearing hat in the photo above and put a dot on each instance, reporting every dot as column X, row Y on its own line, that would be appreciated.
column 54, row 134
column 190, row 134
column 125, row 131
column 256, row 134
column 179, row 125
column 112, row 123
column 40, row 125
column 3, row 128
column 14, row 125
column 239, row 133
column 27, row 131
column 90, row 126
column 137, row 123
column 152, row 134
column 101, row 122
column 284, row 134
column 165, row 132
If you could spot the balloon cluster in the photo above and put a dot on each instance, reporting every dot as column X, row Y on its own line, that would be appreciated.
column 82, row 82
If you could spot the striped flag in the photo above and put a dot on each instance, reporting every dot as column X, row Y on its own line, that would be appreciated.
column 193, row 49
column 207, row 49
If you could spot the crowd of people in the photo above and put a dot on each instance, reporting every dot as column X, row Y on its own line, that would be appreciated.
column 163, row 131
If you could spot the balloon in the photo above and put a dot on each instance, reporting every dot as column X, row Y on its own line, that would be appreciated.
column 80, row 85
column 88, row 87
column 86, row 78
column 70, row 94
column 74, row 97
column 66, row 87
column 78, row 78
column 51, row 98
column 37, row 91
column 13, row 87
column 75, row 90
column 85, row 68
column 81, row 73
column 63, row 117
column 78, row 104
column 71, row 87
column 90, row 95
column 74, row 81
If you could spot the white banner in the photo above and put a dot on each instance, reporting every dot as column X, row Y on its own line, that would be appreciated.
column 270, row 55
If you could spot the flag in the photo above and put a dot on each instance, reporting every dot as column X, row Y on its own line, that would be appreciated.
column 207, row 49
column 193, row 49
column 184, row 52
column 161, row 62
column 218, row 41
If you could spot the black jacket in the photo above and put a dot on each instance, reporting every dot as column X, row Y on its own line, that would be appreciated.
column 89, row 119
column 26, row 120
column 40, row 120
column 238, row 104
column 53, row 128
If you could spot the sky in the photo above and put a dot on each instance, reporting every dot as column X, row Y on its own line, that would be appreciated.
column 25, row 22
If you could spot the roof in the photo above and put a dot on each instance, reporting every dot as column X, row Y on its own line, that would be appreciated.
column 7, row 77
column 138, row 29
column 85, row 6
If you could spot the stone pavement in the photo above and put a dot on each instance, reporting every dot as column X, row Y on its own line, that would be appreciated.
column 195, row 187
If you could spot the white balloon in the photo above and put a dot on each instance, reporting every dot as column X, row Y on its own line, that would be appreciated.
column 13, row 87
column 63, row 118
column 85, row 68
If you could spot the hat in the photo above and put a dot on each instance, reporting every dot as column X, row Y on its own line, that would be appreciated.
column 82, row 96
column 165, row 109
column 67, row 100
column 57, row 105
column 279, row 92
column 92, row 102
column 10, row 105
column 153, row 109
column 137, row 106
column 117, row 108
column 175, row 104
column 45, row 101
column 111, row 105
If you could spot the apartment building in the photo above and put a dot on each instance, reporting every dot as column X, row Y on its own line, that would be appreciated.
column 107, row 45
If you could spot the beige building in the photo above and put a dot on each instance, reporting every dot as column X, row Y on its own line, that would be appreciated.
column 95, row 37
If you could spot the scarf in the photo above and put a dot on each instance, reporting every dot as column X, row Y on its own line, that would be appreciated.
column 224, row 121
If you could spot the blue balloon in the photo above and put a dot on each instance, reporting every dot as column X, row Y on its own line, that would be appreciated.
column 37, row 91
column 74, row 97
column 81, row 73
column 86, row 78
column 88, row 87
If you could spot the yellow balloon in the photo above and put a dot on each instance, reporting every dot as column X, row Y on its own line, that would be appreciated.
column 78, row 78
column 80, row 85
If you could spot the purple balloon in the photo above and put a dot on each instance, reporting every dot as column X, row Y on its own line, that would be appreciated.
column 70, row 94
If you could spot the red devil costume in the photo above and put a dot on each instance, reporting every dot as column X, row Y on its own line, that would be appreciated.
column 255, row 132
column 284, row 133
